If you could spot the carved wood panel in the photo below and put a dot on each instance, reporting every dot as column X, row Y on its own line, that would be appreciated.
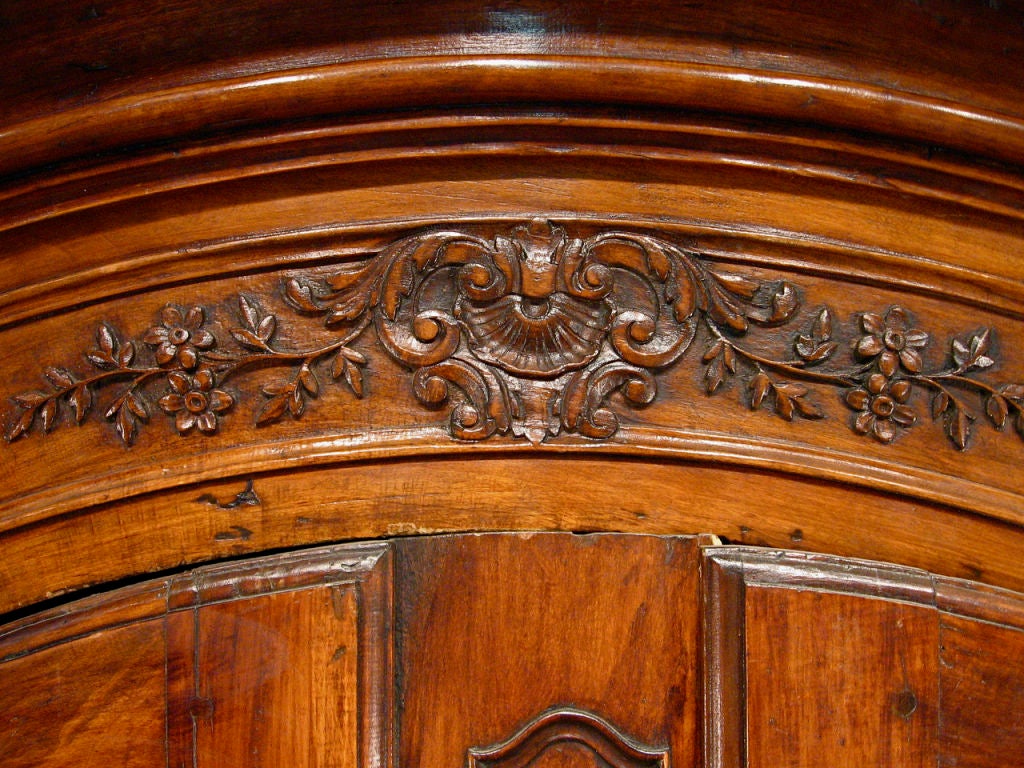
column 529, row 331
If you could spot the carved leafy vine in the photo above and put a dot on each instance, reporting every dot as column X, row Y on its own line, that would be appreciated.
column 531, row 332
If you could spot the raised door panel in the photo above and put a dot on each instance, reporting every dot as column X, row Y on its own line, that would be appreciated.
column 839, row 679
column 94, row 701
column 283, row 660
column 816, row 660
column 549, row 650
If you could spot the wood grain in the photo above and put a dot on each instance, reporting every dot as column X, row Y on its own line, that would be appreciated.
column 239, row 68
column 498, row 629
column 982, row 690
column 609, row 492
column 839, row 679
column 298, row 703
column 718, row 267
column 98, row 700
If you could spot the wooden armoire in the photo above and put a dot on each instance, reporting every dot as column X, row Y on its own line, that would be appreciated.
column 504, row 384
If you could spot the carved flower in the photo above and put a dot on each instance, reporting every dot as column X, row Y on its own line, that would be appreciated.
column 194, row 402
column 179, row 337
column 882, row 407
column 891, row 341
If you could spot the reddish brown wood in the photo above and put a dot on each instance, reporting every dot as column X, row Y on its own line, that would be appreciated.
column 982, row 690
column 524, row 649
column 496, row 630
column 839, row 679
column 299, row 703
column 821, row 660
column 715, row 266
column 97, row 700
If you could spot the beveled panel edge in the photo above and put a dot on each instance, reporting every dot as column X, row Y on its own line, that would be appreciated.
column 85, row 616
column 724, row 659
column 377, row 685
column 339, row 564
column 579, row 726
column 402, row 83
column 350, row 563
column 788, row 569
column 984, row 602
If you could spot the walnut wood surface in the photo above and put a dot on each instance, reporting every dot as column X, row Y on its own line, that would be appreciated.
column 815, row 658
column 982, row 693
column 547, row 649
column 852, row 699
column 96, row 701
column 498, row 629
column 274, row 276
column 263, row 61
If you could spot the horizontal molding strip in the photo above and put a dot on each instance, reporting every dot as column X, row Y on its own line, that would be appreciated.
column 769, row 247
column 451, row 81
column 645, row 443
column 66, row 191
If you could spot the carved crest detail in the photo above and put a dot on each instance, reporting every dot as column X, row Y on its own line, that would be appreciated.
column 531, row 332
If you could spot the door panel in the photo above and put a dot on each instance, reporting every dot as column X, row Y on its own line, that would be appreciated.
column 982, row 685
column 549, row 650
column 499, row 630
column 839, row 680
column 98, row 700
column 817, row 660
column 287, row 662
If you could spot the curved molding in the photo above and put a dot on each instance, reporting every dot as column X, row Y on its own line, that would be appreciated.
column 846, row 160
column 574, row 727
column 761, row 246
column 529, row 332
column 450, row 81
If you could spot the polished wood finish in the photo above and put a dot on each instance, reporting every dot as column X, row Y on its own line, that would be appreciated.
column 499, row 629
column 555, row 649
column 275, row 276
column 285, row 659
column 817, row 658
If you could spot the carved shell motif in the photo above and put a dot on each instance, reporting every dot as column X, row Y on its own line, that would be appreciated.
column 536, row 337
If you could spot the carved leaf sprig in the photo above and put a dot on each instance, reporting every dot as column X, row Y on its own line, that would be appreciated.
column 185, row 354
column 113, row 361
column 882, row 382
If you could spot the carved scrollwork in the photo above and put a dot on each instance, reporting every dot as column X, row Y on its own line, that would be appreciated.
column 532, row 333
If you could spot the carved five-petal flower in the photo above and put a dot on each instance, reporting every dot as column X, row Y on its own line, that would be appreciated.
column 882, row 407
column 194, row 402
column 891, row 341
column 179, row 337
